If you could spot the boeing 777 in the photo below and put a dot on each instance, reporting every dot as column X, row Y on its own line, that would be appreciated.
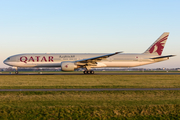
column 72, row 61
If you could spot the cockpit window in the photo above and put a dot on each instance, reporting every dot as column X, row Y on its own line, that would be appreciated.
column 8, row 58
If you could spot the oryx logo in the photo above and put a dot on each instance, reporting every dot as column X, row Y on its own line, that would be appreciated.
column 66, row 65
column 158, row 46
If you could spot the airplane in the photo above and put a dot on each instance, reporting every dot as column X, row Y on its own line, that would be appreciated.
column 72, row 61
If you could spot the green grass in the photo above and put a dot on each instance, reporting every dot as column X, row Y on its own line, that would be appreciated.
column 159, row 112
column 105, row 98
column 89, row 81
column 90, row 105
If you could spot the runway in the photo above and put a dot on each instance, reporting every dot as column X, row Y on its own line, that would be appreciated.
column 98, row 73
column 94, row 89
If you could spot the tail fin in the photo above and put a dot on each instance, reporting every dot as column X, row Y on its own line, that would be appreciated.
column 157, row 47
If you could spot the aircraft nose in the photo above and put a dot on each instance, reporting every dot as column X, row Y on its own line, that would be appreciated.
column 5, row 61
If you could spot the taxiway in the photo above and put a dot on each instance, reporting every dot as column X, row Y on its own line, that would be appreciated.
column 94, row 89
column 98, row 73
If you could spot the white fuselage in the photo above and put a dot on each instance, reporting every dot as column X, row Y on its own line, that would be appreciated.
column 55, row 60
column 72, row 61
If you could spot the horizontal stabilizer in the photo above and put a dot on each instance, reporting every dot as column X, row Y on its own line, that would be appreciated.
column 167, row 56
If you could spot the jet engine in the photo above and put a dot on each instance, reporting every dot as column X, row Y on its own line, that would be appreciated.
column 68, row 66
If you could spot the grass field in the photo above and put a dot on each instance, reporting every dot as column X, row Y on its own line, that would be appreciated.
column 90, row 81
column 90, row 105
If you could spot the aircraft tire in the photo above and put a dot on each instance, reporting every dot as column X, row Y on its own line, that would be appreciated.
column 92, row 72
column 85, row 72
column 16, row 72
column 88, row 72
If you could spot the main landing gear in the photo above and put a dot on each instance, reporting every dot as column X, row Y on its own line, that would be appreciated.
column 88, row 72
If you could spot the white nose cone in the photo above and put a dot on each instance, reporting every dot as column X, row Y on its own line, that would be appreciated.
column 4, row 62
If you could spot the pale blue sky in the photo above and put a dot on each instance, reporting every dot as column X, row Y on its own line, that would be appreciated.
column 89, row 26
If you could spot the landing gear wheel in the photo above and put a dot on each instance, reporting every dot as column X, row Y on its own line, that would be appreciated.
column 85, row 72
column 92, row 72
column 16, row 72
column 88, row 72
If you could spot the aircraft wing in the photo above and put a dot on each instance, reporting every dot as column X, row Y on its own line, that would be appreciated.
column 167, row 56
column 94, row 60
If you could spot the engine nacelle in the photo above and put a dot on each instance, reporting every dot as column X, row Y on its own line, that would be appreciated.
column 68, row 66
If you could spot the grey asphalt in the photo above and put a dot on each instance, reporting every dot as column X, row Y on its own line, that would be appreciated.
column 101, row 73
column 94, row 89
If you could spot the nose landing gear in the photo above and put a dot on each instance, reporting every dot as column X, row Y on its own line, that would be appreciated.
column 16, row 72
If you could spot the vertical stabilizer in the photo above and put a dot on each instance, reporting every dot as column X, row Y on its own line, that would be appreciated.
column 157, row 47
